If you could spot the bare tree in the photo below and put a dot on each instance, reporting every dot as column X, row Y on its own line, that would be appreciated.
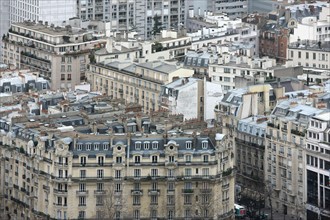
column 111, row 204
column 204, row 204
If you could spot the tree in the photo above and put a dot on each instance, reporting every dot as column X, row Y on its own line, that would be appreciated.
column 157, row 25
column 112, row 204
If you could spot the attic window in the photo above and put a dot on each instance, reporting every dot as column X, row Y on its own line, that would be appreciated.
column 188, row 144
column 204, row 144
column 88, row 146
column 146, row 145
column 96, row 146
column 138, row 145
column 79, row 147
column 155, row 145
column 105, row 146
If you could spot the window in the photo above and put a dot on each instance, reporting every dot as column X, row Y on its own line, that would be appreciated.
column 62, row 76
column 96, row 146
column 137, row 172
column 69, row 76
column 188, row 158
column 154, row 199
column 99, row 187
column 105, row 146
column 69, row 68
column 146, row 145
column 226, row 79
column 155, row 145
column 81, row 215
column 170, row 215
column 136, row 214
column 100, row 160
column 82, row 201
column 99, row 200
column 119, row 160
column 99, row 173
column 205, row 171
column 154, row 172
column 82, row 173
column 299, row 54
column 226, row 70
column 187, row 199
column 136, row 200
column 204, row 144
column 205, row 158
column 188, row 144
column 117, row 174
column 82, row 187
column 187, row 171
column 137, row 159
column 62, row 68
column 88, row 146
column 170, row 173
column 137, row 145
column 171, row 159
column 154, row 159
column 118, row 187
column 83, row 161
column 170, row 199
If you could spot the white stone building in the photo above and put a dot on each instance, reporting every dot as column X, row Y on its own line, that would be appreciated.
column 312, row 28
column 310, row 54
column 318, row 167
column 284, row 153
column 192, row 97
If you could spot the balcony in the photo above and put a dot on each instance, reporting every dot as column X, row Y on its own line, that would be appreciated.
column 100, row 192
column 187, row 191
column 225, row 186
column 61, row 192
column 205, row 191
column 171, row 163
column 45, row 187
column 82, row 193
column 153, row 192
column 136, row 192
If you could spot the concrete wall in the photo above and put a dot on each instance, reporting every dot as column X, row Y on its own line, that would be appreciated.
column 212, row 96
column 188, row 101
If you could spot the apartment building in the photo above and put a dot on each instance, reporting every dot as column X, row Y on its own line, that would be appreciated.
column 230, row 67
column 192, row 97
column 310, row 54
column 62, row 173
column 59, row 54
column 233, row 8
column 318, row 166
column 137, row 15
column 285, row 165
column 54, row 12
column 313, row 28
column 136, row 83
column 250, row 151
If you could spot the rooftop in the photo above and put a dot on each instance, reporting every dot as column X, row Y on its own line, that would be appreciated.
column 54, row 31
column 310, row 45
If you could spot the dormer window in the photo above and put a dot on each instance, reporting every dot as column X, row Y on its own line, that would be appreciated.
column 155, row 145
column 96, row 146
column 204, row 144
column 188, row 144
column 105, row 146
column 79, row 147
column 88, row 146
column 146, row 145
column 138, row 145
